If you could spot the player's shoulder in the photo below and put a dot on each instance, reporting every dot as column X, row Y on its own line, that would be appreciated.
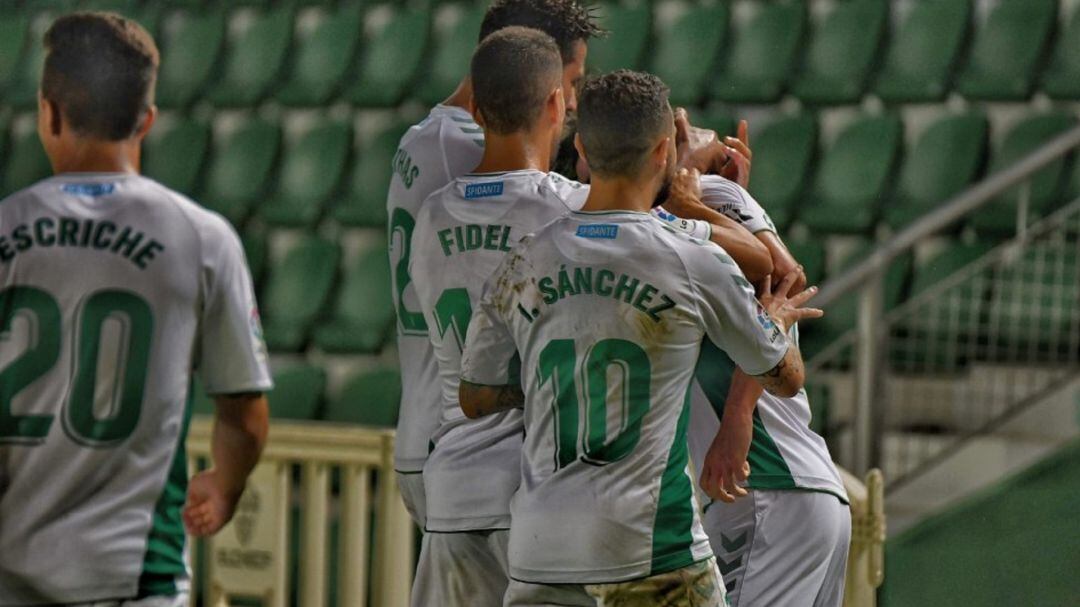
column 207, row 223
column 444, row 126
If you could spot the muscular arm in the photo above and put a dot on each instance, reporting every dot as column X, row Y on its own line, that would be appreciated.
column 783, row 262
column 787, row 377
column 725, row 467
column 477, row 400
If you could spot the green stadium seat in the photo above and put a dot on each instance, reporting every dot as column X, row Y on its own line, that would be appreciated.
column 999, row 217
column 762, row 55
column 146, row 14
column 26, row 163
column 363, row 317
column 1061, row 80
column 718, row 120
column 364, row 202
column 783, row 153
column 395, row 47
column 945, row 160
column 811, row 254
column 697, row 32
column 174, row 154
column 13, row 37
column 854, row 176
column 628, row 27
column 254, row 59
column 241, row 168
column 456, row 27
column 369, row 398
column 190, row 46
column 921, row 59
column 841, row 53
column 1005, row 57
column 323, row 55
column 944, row 264
column 22, row 87
column 297, row 291
column 255, row 251
column 297, row 393
column 309, row 173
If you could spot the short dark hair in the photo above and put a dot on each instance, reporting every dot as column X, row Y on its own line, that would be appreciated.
column 513, row 72
column 620, row 117
column 566, row 21
column 100, row 70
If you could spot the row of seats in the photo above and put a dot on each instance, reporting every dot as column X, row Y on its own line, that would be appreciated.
column 371, row 56
column 300, row 394
column 862, row 177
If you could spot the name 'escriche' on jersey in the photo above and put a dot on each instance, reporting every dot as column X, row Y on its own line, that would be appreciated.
column 607, row 313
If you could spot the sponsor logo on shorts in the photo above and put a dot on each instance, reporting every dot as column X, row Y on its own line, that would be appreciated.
column 483, row 190
column 605, row 230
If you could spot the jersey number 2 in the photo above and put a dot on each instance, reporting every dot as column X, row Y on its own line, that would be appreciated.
column 80, row 422
column 559, row 364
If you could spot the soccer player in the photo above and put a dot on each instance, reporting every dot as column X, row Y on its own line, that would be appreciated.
column 445, row 145
column 112, row 288
column 600, row 316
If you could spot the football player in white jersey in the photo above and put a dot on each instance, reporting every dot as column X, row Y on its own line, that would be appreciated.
column 446, row 144
column 594, row 323
column 112, row 289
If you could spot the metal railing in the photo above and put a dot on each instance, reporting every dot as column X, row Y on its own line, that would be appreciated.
column 959, row 357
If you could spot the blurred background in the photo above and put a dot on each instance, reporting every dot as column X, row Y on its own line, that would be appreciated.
column 917, row 156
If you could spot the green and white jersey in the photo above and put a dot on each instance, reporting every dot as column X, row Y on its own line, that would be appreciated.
column 446, row 144
column 607, row 313
column 784, row 452
column 112, row 290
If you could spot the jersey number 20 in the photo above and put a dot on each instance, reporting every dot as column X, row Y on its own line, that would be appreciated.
column 79, row 419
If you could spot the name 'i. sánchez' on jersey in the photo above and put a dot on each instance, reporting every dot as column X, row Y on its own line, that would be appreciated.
column 586, row 280
column 46, row 232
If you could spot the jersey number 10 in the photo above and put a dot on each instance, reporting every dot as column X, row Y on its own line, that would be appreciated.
column 79, row 419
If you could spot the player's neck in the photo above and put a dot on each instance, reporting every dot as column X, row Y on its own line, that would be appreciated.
column 515, row 152
column 462, row 95
column 98, row 157
column 619, row 194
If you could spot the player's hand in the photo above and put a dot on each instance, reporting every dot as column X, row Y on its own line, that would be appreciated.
column 685, row 195
column 209, row 505
column 725, row 469
column 738, row 156
column 784, row 308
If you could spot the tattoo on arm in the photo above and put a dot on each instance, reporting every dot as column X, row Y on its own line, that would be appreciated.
column 791, row 365
column 485, row 400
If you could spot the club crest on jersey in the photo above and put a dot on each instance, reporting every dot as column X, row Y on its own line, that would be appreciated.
column 483, row 190
column 89, row 189
column 605, row 230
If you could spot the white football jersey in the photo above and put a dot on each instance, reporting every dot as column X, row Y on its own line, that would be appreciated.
column 784, row 452
column 112, row 290
column 606, row 313
column 446, row 144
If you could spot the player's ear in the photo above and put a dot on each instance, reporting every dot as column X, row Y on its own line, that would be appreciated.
column 580, row 147
column 556, row 105
column 475, row 111
column 147, row 123
column 49, row 119
column 662, row 151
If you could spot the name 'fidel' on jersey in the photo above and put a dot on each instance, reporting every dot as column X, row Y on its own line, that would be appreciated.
column 607, row 312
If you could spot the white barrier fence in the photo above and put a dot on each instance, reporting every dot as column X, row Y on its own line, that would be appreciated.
column 250, row 557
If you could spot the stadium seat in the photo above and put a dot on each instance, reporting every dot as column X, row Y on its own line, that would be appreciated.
column 309, row 173
column 999, row 217
column 26, row 163
column 297, row 393
column 920, row 61
column 369, row 398
column 687, row 47
column 841, row 52
column 456, row 27
column 254, row 59
column 13, row 38
column 364, row 202
column 1008, row 49
column 783, row 152
column 146, row 14
column 854, row 176
column 296, row 292
column 719, row 120
column 322, row 56
column 190, row 46
column 174, row 154
column 811, row 254
column 255, row 250
column 1061, row 80
column 628, row 27
column 945, row 263
column 762, row 55
column 22, row 87
column 363, row 316
column 396, row 41
column 240, row 169
column 946, row 159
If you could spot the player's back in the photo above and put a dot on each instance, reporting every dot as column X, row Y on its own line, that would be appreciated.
column 106, row 280
column 608, row 311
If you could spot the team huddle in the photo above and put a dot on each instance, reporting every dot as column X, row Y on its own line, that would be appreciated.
column 579, row 356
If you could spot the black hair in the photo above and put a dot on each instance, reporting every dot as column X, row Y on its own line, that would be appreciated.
column 620, row 117
column 513, row 73
column 566, row 21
